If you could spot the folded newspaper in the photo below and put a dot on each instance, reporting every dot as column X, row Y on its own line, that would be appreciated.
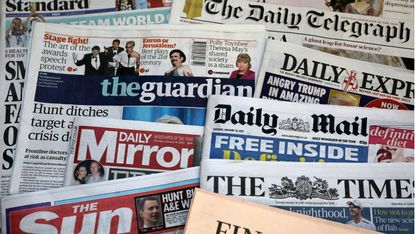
column 298, row 74
column 241, row 128
column 107, row 149
column 71, row 74
column 156, row 203
column 214, row 213
column 371, row 196
column 382, row 40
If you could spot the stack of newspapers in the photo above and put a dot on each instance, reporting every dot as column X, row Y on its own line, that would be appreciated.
column 207, row 116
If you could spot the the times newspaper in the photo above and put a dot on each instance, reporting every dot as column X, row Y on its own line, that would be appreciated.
column 150, row 84
column 382, row 40
column 239, row 128
column 156, row 203
column 107, row 149
column 372, row 196
column 297, row 74
column 216, row 213
column 17, row 17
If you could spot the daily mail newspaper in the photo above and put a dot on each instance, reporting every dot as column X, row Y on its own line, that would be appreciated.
column 17, row 17
column 239, row 128
column 107, row 149
column 65, row 81
column 382, row 40
column 156, row 203
column 297, row 74
column 371, row 196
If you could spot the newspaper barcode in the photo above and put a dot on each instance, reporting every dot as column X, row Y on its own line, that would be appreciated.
column 199, row 53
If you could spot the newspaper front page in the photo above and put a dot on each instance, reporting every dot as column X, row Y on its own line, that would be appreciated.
column 239, row 128
column 382, row 40
column 372, row 196
column 108, row 149
column 156, row 203
column 297, row 74
column 165, row 72
column 17, row 17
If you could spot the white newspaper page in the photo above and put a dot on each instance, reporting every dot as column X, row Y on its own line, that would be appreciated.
column 165, row 74
column 382, row 40
column 108, row 149
column 297, row 74
column 372, row 196
column 239, row 128
column 146, row 204
column 17, row 17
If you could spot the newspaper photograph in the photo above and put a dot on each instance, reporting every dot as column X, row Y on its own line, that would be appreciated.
column 239, row 128
column 156, row 203
column 17, row 18
column 108, row 149
column 372, row 196
column 388, row 41
column 297, row 74
column 165, row 74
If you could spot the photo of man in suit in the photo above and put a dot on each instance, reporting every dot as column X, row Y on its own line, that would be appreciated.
column 95, row 63
column 110, row 52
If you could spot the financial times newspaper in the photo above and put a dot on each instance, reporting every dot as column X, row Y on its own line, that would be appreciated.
column 372, row 196
column 240, row 128
column 375, row 39
column 156, row 203
column 165, row 74
column 297, row 74
column 107, row 149
column 17, row 18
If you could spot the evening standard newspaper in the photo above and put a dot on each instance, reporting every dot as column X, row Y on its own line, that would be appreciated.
column 240, row 128
column 65, row 81
column 372, row 196
column 156, row 203
column 382, row 40
column 15, row 41
column 297, row 74
column 107, row 149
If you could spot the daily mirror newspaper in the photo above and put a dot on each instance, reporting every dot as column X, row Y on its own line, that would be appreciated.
column 375, row 39
column 107, row 149
column 156, row 203
column 165, row 72
column 371, row 196
column 215, row 213
column 17, row 18
column 239, row 128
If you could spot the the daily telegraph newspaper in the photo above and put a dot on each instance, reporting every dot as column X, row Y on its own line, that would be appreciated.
column 215, row 213
column 239, row 128
column 165, row 74
column 17, row 17
column 375, row 39
column 107, row 149
column 156, row 203
column 297, row 74
column 371, row 196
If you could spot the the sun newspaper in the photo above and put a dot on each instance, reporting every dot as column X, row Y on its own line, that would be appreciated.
column 371, row 196
column 157, row 203
column 165, row 74
column 17, row 17
column 382, row 40
column 107, row 149
column 239, row 128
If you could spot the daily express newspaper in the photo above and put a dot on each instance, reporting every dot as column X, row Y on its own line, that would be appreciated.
column 64, row 81
column 371, row 196
column 17, row 17
column 382, row 40
column 297, row 74
column 156, row 203
column 107, row 149
column 240, row 128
